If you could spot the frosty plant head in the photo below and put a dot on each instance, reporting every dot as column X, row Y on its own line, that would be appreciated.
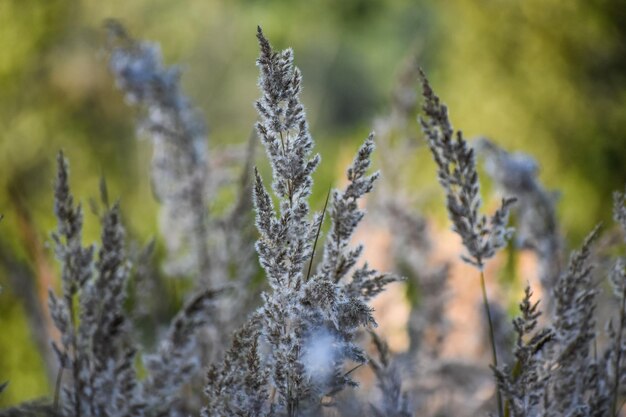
column 308, row 321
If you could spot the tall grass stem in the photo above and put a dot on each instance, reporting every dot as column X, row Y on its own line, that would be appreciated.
column 494, row 353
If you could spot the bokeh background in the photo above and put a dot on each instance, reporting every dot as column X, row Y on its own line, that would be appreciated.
column 544, row 77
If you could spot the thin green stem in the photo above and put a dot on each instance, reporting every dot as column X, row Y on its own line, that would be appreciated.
column 494, row 352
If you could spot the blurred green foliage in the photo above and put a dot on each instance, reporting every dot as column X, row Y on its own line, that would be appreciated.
column 545, row 77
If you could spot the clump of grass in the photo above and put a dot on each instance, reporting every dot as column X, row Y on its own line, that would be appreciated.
column 307, row 323
column 211, row 250
column 297, row 354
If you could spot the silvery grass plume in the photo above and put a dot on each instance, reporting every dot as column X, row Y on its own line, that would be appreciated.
column 574, row 333
column 339, row 258
column 184, row 178
column 523, row 385
column 393, row 402
column 562, row 369
column 457, row 174
column 537, row 228
column 215, row 251
column 307, row 322
column 175, row 363
column 96, row 352
column 179, row 162
column 303, row 370
column 239, row 385
column 95, row 346
column 456, row 171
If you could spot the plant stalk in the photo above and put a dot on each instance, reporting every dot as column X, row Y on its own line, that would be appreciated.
column 494, row 353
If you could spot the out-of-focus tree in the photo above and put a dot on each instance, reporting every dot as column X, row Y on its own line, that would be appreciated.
column 548, row 78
